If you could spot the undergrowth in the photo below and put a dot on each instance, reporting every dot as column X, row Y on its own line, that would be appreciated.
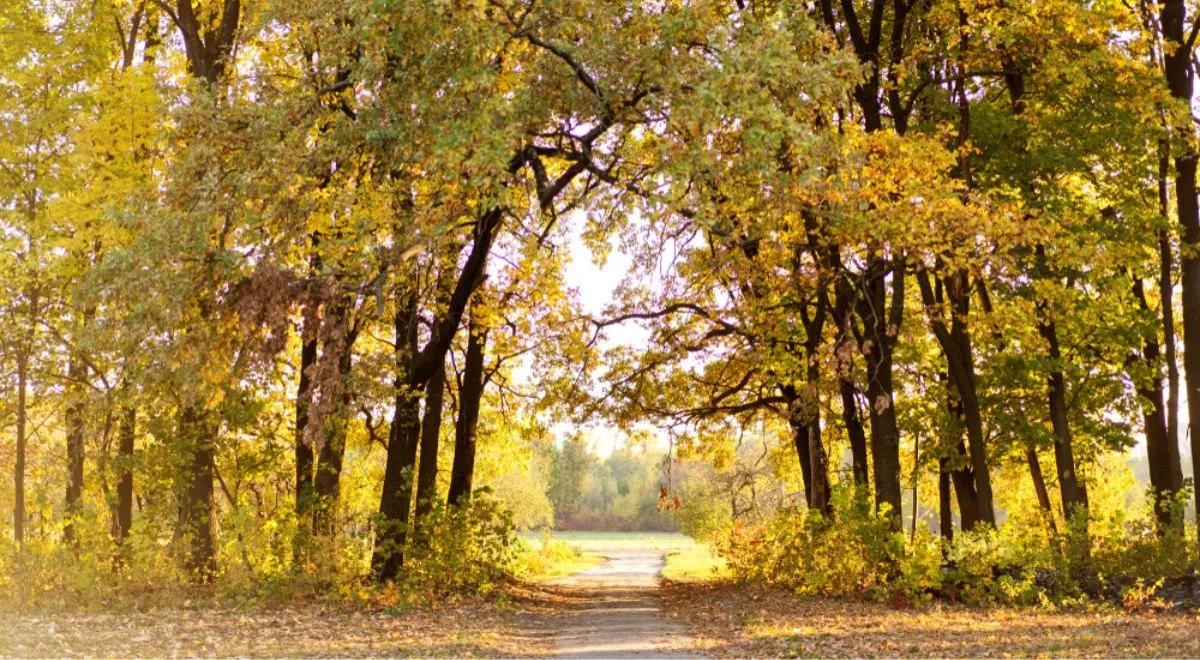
column 857, row 552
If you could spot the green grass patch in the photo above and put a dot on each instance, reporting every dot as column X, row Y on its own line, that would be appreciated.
column 600, row 542
column 545, row 558
column 695, row 564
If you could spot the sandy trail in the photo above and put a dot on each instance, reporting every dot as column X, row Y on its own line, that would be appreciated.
column 617, row 612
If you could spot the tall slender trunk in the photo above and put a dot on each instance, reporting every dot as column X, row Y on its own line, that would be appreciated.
column 859, row 463
column 1166, row 288
column 462, row 473
column 209, row 58
column 1180, row 76
column 199, row 507
column 955, row 341
column 305, row 459
column 431, row 430
column 844, row 294
column 1071, row 490
column 19, row 464
column 805, row 422
column 1069, row 487
column 962, row 479
column 945, row 514
column 395, row 501
column 1168, row 322
column 1039, row 487
column 804, row 413
column 329, row 460
column 1165, row 471
column 881, row 322
column 75, row 451
column 328, row 480
column 125, row 447
column 1161, row 419
column 435, row 394
column 916, row 482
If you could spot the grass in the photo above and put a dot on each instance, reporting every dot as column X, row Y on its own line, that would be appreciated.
column 698, row 563
column 558, row 553
column 548, row 557
column 599, row 542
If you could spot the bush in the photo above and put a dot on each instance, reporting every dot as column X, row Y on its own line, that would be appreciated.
column 460, row 549
column 1117, row 559
column 806, row 552
column 548, row 558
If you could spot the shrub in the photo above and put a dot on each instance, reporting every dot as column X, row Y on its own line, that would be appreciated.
column 461, row 549
column 807, row 552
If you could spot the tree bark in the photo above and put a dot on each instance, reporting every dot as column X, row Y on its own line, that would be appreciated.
column 124, row 514
column 198, row 507
column 1039, row 486
column 305, row 459
column 431, row 429
column 462, row 473
column 945, row 514
column 328, row 482
column 882, row 327
column 1180, row 78
column 1056, row 396
column 19, row 464
column 956, row 347
column 75, row 451
column 396, row 497
column 208, row 46
column 1167, row 301
column 1166, row 476
column 855, row 433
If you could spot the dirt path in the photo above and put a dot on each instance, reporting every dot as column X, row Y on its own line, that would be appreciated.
column 614, row 612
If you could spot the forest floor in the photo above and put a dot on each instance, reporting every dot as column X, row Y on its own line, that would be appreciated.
column 728, row 620
column 620, row 608
column 474, row 628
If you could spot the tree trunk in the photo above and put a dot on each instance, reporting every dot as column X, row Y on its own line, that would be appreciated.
column 198, row 508
column 333, row 451
column 396, row 497
column 945, row 514
column 431, row 429
column 1056, row 397
column 75, row 451
column 124, row 514
column 964, row 491
column 1039, row 486
column 804, row 412
column 470, row 396
column 881, row 330
column 956, row 347
column 1165, row 471
column 803, row 455
column 860, row 465
column 1166, row 296
column 305, row 460
column 19, row 464
column 805, row 422
column 1180, row 78
column 845, row 375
